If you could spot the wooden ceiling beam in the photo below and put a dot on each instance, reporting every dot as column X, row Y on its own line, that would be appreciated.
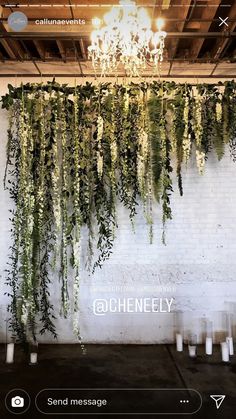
column 71, row 9
column 207, row 13
column 76, row 35
column 31, row 58
column 2, row 58
column 6, row 44
column 222, row 44
column 165, row 4
column 71, row 59
column 61, row 50
column 180, row 26
column 77, row 57
column 8, row 49
column 17, row 49
column 122, row 75
column 40, row 49
column 13, row 48
column 82, row 47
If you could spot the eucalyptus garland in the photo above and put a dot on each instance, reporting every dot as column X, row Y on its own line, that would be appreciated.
column 73, row 153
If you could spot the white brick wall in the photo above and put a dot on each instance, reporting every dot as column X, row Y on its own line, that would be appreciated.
column 199, row 261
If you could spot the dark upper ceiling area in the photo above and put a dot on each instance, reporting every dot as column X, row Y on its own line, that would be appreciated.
column 198, row 44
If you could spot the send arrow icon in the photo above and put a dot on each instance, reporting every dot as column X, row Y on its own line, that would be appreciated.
column 218, row 398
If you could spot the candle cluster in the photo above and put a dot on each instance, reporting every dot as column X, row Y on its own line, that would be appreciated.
column 33, row 353
column 227, row 347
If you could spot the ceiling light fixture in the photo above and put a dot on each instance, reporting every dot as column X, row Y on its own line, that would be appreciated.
column 126, row 37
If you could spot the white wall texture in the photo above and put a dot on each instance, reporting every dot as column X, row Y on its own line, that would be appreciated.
column 197, row 267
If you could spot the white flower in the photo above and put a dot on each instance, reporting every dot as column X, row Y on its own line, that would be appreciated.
column 113, row 148
column 100, row 126
column 24, row 314
column 99, row 164
column 200, row 158
column 218, row 111
column 200, row 155
column 126, row 105
column 141, row 160
column 186, row 136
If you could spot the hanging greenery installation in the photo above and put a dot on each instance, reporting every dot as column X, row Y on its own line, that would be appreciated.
column 73, row 153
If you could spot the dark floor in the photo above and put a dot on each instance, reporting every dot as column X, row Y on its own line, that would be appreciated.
column 122, row 366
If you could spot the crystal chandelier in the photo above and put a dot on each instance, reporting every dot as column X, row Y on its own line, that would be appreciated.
column 126, row 36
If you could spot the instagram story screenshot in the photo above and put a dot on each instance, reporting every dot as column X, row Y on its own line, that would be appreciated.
column 118, row 209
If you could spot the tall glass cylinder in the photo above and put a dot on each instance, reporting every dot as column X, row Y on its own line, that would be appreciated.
column 229, row 334
column 10, row 350
column 229, row 324
column 192, row 345
column 209, row 337
column 33, row 353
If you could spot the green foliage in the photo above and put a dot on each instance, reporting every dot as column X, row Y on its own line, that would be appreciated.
column 154, row 107
column 72, row 152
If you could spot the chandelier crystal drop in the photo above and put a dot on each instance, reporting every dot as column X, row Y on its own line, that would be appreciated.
column 126, row 37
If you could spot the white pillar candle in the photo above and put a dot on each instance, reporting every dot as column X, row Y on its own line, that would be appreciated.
column 192, row 345
column 192, row 351
column 179, row 342
column 225, row 351
column 10, row 353
column 208, row 346
column 33, row 358
column 230, row 343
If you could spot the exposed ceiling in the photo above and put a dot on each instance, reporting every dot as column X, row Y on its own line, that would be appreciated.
column 198, row 43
